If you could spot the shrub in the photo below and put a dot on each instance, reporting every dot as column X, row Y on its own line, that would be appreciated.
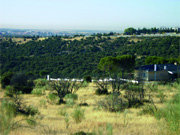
column 40, row 83
column 101, row 91
column 113, row 103
column 30, row 110
column 88, row 78
column 9, row 91
column 70, row 98
column 62, row 88
column 52, row 98
column 6, row 79
column 171, row 114
column 148, row 109
column 84, row 84
column 38, row 91
column 43, row 103
column 78, row 115
column 83, row 133
column 102, row 88
column 21, row 83
column 135, row 94
column 7, row 113
column 161, row 96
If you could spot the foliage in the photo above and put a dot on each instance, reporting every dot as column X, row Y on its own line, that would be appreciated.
column 78, row 115
column 88, row 78
column 7, row 118
column 38, row 91
column 70, row 98
column 83, row 133
column 161, row 96
column 119, row 63
column 20, row 82
column 7, row 113
column 159, row 60
column 113, row 103
column 171, row 114
column 62, row 88
column 135, row 94
column 79, row 58
column 40, row 82
column 130, row 31
column 6, row 79
column 52, row 98
column 148, row 109
column 9, row 91
column 102, row 87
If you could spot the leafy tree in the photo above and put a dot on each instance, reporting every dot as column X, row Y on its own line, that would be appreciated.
column 62, row 88
column 6, row 79
column 20, row 82
column 130, row 31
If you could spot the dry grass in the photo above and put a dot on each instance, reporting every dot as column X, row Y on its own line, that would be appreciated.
column 21, row 40
column 51, row 122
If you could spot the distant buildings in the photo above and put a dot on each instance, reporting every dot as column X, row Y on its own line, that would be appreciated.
column 157, row 72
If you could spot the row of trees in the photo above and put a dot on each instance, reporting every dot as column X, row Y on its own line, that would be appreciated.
column 132, row 31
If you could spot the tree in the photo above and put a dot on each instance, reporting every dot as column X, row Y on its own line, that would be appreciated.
column 21, row 82
column 130, row 31
column 6, row 79
column 62, row 88
column 116, row 65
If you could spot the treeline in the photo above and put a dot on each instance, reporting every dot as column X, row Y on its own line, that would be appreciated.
column 132, row 31
column 78, row 58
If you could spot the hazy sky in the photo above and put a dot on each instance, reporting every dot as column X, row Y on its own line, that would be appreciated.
column 89, row 14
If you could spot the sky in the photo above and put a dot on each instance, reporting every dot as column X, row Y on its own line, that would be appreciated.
column 89, row 14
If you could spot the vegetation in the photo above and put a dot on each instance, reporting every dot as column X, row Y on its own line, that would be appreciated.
column 131, row 31
column 78, row 58
column 62, row 88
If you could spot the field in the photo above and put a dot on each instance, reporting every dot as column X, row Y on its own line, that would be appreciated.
column 51, row 118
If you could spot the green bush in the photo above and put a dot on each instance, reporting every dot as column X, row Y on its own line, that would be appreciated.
column 30, row 110
column 83, row 133
column 40, row 83
column 88, row 78
column 148, row 109
column 101, row 88
column 62, row 88
column 38, row 91
column 161, row 96
column 7, row 113
column 113, row 103
column 171, row 114
column 6, row 79
column 84, row 84
column 20, row 82
column 52, row 98
column 9, row 91
column 78, row 115
column 101, row 91
column 70, row 98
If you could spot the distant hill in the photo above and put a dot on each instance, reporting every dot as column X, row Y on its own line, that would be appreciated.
column 78, row 58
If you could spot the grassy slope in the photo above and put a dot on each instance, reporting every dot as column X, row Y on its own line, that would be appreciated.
column 50, row 121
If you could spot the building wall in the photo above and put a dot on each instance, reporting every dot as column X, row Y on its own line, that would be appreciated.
column 152, row 75
column 158, row 76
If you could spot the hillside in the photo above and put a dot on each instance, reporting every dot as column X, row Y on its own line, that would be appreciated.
column 60, row 57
